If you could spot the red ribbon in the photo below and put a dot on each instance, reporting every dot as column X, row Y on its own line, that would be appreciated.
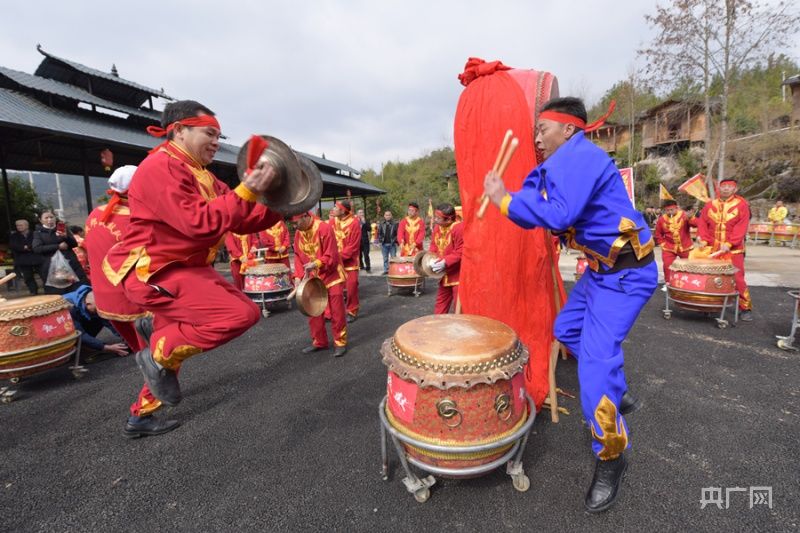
column 477, row 67
column 112, row 203
column 566, row 118
column 255, row 149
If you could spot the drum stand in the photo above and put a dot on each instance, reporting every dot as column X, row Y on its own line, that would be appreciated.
column 420, row 487
column 418, row 287
column 787, row 343
column 78, row 371
column 265, row 299
column 729, row 300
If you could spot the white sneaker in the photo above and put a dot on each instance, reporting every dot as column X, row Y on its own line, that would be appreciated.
column 664, row 288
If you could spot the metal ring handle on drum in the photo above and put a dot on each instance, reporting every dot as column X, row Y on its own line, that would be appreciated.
column 502, row 404
column 448, row 410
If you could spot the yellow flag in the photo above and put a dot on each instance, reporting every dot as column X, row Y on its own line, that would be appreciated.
column 696, row 186
column 663, row 193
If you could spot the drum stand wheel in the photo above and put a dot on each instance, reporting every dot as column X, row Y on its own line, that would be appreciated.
column 520, row 481
column 7, row 395
column 265, row 312
column 722, row 323
column 667, row 314
column 14, row 381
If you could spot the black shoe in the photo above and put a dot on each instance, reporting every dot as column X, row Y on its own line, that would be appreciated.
column 163, row 382
column 340, row 351
column 144, row 327
column 146, row 426
column 629, row 404
column 605, row 484
column 312, row 349
column 746, row 316
column 351, row 318
column 368, row 269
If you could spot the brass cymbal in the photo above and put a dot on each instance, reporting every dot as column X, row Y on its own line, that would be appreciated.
column 422, row 265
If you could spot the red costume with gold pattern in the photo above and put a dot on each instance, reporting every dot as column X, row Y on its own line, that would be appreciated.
column 447, row 243
column 276, row 242
column 318, row 244
column 348, row 241
column 724, row 222
column 240, row 248
column 180, row 214
column 410, row 234
column 673, row 235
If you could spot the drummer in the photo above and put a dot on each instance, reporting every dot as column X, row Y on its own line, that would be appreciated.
column 673, row 235
column 180, row 213
column 348, row 241
column 275, row 243
column 447, row 242
column 316, row 254
column 723, row 226
column 411, row 232
column 240, row 249
column 577, row 190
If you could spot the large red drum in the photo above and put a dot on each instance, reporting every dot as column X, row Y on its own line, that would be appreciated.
column 36, row 334
column 402, row 273
column 271, row 279
column 455, row 380
column 701, row 284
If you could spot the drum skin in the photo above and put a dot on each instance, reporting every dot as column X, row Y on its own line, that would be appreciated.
column 268, row 279
column 455, row 380
column 700, row 284
column 402, row 273
column 36, row 333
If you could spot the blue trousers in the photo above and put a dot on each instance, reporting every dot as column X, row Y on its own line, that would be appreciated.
column 389, row 250
column 598, row 315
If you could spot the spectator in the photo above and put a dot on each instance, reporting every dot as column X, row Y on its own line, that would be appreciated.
column 52, row 237
column 387, row 236
column 80, row 250
column 26, row 261
column 366, row 230
column 84, row 315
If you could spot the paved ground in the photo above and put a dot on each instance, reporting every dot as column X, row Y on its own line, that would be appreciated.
column 273, row 440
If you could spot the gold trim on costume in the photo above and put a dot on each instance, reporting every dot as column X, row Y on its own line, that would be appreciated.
column 629, row 234
column 121, row 318
column 615, row 436
column 245, row 194
column 504, row 203
column 116, row 276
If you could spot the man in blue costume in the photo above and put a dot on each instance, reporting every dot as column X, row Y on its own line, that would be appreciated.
column 577, row 192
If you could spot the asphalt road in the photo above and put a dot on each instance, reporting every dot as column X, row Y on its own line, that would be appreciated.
column 274, row 440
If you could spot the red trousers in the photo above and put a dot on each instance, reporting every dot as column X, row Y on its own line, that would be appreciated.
column 444, row 298
column 668, row 258
column 319, row 336
column 236, row 273
column 145, row 403
column 351, row 282
column 745, row 304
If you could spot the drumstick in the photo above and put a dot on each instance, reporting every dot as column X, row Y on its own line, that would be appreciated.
column 8, row 278
column 500, row 153
column 715, row 254
column 506, row 159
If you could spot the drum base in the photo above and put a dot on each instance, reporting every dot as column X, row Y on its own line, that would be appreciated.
column 269, row 300
column 695, row 302
column 416, row 284
column 7, row 394
column 420, row 487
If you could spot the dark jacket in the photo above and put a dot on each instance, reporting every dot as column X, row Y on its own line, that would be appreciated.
column 87, row 323
column 45, row 242
column 22, row 256
column 387, row 232
column 366, row 231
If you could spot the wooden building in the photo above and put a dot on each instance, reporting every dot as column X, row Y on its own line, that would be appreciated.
column 794, row 86
column 673, row 124
column 611, row 137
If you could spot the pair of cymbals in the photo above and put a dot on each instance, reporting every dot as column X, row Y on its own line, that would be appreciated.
column 422, row 265
column 298, row 184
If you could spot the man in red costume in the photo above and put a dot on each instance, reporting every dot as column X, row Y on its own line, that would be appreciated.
column 673, row 235
column 447, row 242
column 275, row 241
column 104, row 228
column 180, row 214
column 723, row 225
column 411, row 232
column 348, row 240
column 240, row 248
column 316, row 254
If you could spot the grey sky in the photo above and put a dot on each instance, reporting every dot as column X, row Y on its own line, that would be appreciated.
column 363, row 82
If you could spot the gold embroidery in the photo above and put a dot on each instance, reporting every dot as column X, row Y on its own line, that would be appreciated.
column 629, row 234
column 720, row 213
column 615, row 437
column 116, row 276
column 674, row 224
column 412, row 227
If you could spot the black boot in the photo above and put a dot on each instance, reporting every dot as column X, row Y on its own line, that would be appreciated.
column 162, row 382
column 340, row 351
column 145, row 426
column 605, row 484
column 629, row 404
column 312, row 349
column 144, row 327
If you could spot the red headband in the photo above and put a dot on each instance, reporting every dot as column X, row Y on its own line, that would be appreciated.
column 729, row 180
column 192, row 122
column 566, row 118
column 343, row 207
column 442, row 215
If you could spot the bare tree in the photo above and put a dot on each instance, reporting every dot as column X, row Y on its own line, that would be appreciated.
column 714, row 40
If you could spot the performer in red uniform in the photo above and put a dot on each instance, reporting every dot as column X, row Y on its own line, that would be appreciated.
column 411, row 232
column 446, row 242
column 104, row 228
column 673, row 235
column 348, row 242
column 276, row 242
column 723, row 225
column 316, row 254
column 180, row 214
column 240, row 248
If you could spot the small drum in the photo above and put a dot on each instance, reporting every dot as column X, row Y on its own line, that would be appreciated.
column 759, row 232
column 402, row 273
column 580, row 267
column 36, row 334
column 785, row 232
column 455, row 380
column 272, row 278
column 701, row 284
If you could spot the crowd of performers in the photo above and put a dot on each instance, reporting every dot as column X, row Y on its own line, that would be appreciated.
column 151, row 252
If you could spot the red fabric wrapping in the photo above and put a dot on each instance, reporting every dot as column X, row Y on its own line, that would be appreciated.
column 476, row 67
column 510, row 278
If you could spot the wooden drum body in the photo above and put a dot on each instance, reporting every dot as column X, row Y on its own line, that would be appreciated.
column 455, row 380
column 272, row 278
column 402, row 273
column 701, row 284
column 36, row 334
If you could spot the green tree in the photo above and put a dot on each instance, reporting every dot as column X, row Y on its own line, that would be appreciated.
column 25, row 204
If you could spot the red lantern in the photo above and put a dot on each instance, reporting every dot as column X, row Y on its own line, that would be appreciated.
column 107, row 159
